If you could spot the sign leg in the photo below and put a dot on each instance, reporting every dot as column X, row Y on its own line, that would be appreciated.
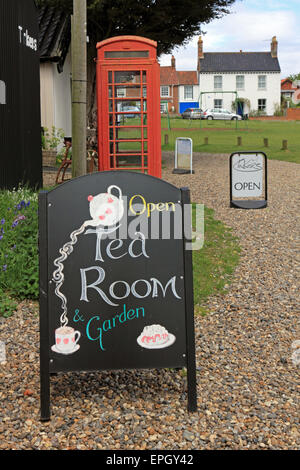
column 189, row 304
column 44, row 309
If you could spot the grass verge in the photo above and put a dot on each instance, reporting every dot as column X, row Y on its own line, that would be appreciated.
column 215, row 263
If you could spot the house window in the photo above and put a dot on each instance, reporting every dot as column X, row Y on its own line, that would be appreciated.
column 218, row 82
column 163, row 108
column 2, row 92
column 164, row 91
column 121, row 93
column 262, row 82
column 218, row 104
column 240, row 82
column 262, row 105
column 188, row 92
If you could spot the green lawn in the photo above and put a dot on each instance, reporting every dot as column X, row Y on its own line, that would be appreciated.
column 214, row 264
column 222, row 136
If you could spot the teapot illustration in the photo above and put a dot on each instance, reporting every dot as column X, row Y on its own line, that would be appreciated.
column 105, row 208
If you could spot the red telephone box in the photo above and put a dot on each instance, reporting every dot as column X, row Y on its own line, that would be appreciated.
column 128, row 96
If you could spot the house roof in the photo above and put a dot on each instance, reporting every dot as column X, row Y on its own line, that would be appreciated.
column 54, row 34
column 170, row 76
column 239, row 62
column 288, row 85
column 187, row 78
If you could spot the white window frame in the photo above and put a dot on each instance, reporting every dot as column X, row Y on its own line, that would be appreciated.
column 262, row 82
column 163, row 89
column 121, row 92
column 164, row 107
column 188, row 92
column 262, row 106
column 218, row 104
column 240, row 82
column 218, row 82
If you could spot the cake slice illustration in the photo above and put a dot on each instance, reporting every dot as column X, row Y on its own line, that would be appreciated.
column 155, row 337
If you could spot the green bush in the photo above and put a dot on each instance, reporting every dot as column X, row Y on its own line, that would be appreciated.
column 19, row 273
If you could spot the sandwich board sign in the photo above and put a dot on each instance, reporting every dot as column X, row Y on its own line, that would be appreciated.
column 183, row 156
column 116, row 282
column 248, row 180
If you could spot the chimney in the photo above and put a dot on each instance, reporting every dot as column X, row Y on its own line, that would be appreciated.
column 173, row 63
column 200, row 53
column 274, row 47
column 200, row 48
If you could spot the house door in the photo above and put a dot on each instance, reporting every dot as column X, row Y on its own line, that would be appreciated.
column 240, row 108
column 127, row 106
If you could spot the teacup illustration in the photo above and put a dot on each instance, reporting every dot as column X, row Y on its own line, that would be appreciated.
column 66, row 340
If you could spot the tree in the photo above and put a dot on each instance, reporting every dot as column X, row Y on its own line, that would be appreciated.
column 294, row 77
column 169, row 22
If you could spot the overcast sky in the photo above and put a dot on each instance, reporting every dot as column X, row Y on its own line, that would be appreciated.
column 250, row 26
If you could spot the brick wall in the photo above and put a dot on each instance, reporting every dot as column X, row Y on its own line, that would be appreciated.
column 293, row 113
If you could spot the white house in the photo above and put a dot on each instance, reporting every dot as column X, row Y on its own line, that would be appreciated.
column 178, row 89
column 251, row 78
column 55, row 69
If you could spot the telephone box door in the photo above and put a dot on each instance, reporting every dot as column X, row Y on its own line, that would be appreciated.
column 129, row 134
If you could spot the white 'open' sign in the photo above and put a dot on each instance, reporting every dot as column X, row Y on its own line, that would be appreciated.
column 247, row 175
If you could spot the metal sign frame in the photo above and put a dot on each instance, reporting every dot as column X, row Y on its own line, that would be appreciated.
column 183, row 171
column 250, row 203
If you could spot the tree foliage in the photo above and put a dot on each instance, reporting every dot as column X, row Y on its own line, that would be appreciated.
column 169, row 22
column 294, row 77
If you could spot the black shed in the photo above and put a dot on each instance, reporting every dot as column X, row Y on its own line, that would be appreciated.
column 20, row 121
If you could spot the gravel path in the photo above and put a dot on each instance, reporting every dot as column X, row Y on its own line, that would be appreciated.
column 248, row 386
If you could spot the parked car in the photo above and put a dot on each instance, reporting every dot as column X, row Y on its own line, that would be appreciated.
column 134, row 109
column 220, row 114
column 191, row 113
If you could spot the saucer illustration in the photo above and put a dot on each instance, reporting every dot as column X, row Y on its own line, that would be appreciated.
column 54, row 348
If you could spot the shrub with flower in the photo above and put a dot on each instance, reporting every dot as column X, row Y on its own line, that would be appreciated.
column 18, row 247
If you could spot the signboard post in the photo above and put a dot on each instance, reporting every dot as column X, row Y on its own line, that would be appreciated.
column 116, row 280
column 183, row 156
column 248, row 180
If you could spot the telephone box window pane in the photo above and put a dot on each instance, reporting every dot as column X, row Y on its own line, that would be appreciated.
column 127, row 76
column 132, row 106
column 129, row 133
column 114, row 120
column 125, row 54
column 126, row 119
column 129, row 160
column 128, row 91
column 129, row 147
column 109, row 77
